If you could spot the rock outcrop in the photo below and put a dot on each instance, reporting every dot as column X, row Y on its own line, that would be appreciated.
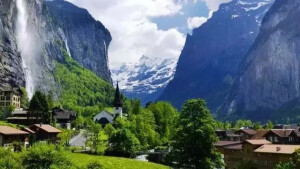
column 211, row 56
column 269, row 77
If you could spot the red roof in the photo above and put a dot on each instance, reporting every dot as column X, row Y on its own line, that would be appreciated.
column 283, row 132
column 260, row 134
column 226, row 143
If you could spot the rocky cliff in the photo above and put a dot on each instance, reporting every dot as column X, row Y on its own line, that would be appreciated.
column 11, row 71
column 35, row 34
column 269, row 77
column 212, row 54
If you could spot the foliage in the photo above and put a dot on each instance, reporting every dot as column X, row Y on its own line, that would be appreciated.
column 123, row 143
column 269, row 125
column 45, row 156
column 82, row 90
column 93, row 135
column 289, row 165
column 64, row 137
column 165, row 116
column 24, row 98
column 9, row 160
column 194, row 138
column 109, row 130
column 94, row 165
column 39, row 108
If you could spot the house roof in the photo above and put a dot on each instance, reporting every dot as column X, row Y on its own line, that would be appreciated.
column 26, row 129
column 282, row 132
column 59, row 113
column 19, row 112
column 106, row 115
column 258, row 142
column 277, row 149
column 248, row 131
column 47, row 128
column 226, row 143
column 260, row 134
column 235, row 147
column 5, row 130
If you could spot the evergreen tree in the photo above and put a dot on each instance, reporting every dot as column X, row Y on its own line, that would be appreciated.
column 39, row 108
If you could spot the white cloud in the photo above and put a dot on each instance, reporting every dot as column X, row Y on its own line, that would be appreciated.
column 134, row 35
column 195, row 22
column 213, row 5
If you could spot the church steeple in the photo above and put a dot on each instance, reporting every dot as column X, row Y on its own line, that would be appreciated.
column 118, row 102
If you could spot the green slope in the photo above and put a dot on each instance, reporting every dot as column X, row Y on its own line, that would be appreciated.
column 81, row 160
column 81, row 89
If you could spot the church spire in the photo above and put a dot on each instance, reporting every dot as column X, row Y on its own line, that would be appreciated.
column 118, row 99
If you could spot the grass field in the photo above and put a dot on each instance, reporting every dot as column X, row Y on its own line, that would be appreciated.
column 81, row 160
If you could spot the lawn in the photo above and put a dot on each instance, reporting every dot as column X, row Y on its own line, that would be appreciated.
column 3, row 123
column 81, row 160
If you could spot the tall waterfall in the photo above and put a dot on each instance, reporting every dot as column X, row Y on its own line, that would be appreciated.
column 25, row 45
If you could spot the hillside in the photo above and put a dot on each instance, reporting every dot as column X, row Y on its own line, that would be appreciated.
column 81, row 89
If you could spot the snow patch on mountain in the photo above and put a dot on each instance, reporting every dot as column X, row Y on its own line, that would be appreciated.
column 146, row 79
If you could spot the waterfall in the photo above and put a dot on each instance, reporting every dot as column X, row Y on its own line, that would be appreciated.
column 25, row 45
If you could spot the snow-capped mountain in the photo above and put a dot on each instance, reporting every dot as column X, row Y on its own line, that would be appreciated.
column 146, row 79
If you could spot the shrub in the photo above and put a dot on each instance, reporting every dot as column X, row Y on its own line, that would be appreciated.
column 94, row 165
column 45, row 156
column 9, row 160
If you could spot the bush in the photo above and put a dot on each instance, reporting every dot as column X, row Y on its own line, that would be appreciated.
column 9, row 160
column 45, row 156
column 94, row 165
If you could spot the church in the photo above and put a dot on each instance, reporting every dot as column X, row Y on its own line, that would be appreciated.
column 105, row 117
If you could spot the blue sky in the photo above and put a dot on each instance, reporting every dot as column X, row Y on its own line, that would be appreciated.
column 179, row 21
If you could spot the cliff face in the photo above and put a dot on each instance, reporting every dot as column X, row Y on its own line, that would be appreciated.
column 35, row 34
column 212, row 54
column 86, row 39
column 269, row 77
column 11, row 71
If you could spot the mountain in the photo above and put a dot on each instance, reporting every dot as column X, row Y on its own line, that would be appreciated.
column 268, row 83
column 209, row 61
column 145, row 79
column 34, row 35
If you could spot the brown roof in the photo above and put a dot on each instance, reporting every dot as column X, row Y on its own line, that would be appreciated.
column 258, row 142
column 235, row 147
column 226, row 143
column 28, row 130
column 260, row 134
column 248, row 131
column 282, row 132
column 48, row 128
column 5, row 130
column 277, row 149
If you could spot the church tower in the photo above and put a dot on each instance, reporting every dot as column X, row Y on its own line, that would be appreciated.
column 118, row 103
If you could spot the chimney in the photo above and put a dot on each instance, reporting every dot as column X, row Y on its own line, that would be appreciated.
column 278, row 148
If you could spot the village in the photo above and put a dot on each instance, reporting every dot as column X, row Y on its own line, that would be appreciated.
column 264, row 147
column 11, row 97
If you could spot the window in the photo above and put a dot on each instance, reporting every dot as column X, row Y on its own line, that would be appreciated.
column 1, row 104
column 2, row 98
column 291, row 139
column 7, row 97
column 275, row 139
column 1, row 93
column 7, row 104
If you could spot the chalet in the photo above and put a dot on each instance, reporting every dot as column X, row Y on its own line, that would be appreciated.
column 262, row 153
column 227, row 135
column 246, row 134
column 63, row 117
column 283, row 136
column 8, row 135
column 104, row 118
column 20, row 117
column 260, row 134
column 10, row 97
column 44, row 132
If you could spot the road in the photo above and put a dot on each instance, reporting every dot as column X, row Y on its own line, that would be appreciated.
column 79, row 140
